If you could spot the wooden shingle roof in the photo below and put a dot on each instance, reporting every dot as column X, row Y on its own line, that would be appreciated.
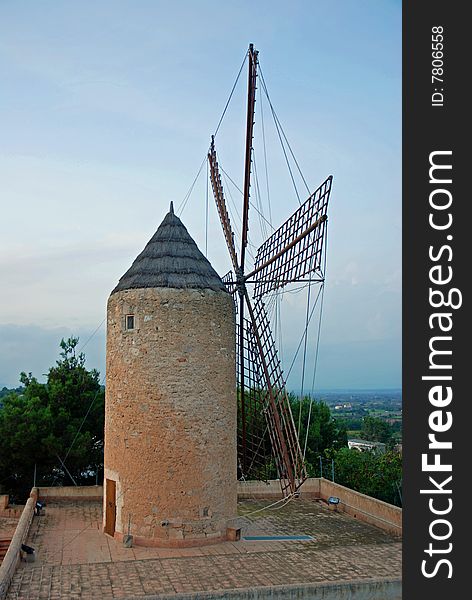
column 171, row 259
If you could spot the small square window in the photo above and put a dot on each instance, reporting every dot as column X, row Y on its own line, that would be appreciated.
column 129, row 322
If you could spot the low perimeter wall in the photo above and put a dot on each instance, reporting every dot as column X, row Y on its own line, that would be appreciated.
column 372, row 589
column 265, row 490
column 72, row 492
column 362, row 507
column 365, row 508
column 11, row 512
column 12, row 557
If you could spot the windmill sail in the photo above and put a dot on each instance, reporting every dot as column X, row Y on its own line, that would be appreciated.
column 268, row 443
column 296, row 248
column 255, row 455
column 275, row 403
column 217, row 187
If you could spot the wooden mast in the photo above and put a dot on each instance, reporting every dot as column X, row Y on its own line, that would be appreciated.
column 251, row 100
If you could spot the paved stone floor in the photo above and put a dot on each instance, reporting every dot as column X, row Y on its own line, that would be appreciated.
column 75, row 560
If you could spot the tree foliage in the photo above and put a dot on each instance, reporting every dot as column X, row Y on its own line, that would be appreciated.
column 377, row 430
column 62, row 419
column 371, row 473
column 7, row 391
column 324, row 432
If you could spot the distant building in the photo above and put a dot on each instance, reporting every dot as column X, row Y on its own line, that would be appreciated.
column 366, row 446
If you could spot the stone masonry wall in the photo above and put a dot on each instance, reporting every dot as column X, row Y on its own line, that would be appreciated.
column 170, row 417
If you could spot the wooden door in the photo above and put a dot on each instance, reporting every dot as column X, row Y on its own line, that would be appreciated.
column 110, row 506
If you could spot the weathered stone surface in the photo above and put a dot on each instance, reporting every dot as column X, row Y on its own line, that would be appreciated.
column 170, row 418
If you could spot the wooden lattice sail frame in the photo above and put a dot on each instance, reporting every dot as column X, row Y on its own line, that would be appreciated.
column 267, row 434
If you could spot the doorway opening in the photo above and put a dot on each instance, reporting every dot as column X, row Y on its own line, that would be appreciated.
column 110, row 506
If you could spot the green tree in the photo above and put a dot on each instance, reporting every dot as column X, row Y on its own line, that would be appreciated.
column 377, row 430
column 324, row 432
column 6, row 392
column 350, row 423
column 25, row 422
column 62, row 419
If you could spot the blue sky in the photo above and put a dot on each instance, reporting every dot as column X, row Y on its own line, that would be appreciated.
column 106, row 112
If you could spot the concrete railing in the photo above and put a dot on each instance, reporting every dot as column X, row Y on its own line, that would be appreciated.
column 12, row 557
column 72, row 492
column 365, row 508
column 260, row 490
column 256, row 490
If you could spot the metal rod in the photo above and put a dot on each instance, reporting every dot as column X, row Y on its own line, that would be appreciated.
column 67, row 470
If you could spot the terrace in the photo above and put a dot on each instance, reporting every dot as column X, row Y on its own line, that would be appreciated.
column 343, row 554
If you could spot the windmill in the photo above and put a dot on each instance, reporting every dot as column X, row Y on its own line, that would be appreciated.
column 267, row 435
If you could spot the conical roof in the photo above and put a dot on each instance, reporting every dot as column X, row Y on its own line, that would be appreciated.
column 171, row 259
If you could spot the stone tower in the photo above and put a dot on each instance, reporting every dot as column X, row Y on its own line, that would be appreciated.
column 170, row 417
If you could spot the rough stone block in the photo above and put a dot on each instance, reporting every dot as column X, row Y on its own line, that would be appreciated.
column 233, row 534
